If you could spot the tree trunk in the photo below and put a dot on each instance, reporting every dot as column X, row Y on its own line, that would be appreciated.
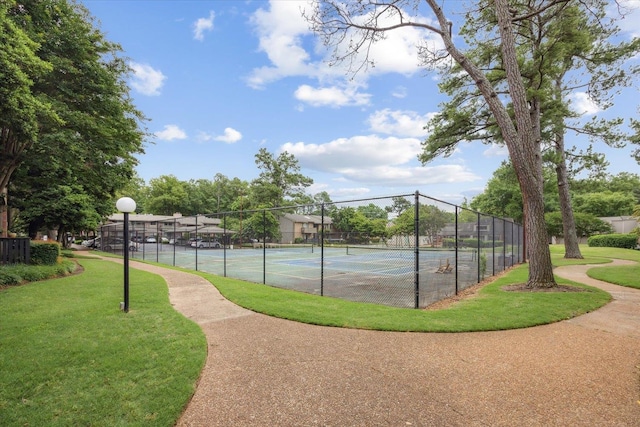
column 4, row 213
column 521, row 137
column 571, row 244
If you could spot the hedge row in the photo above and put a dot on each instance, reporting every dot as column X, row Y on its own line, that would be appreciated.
column 624, row 241
column 45, row 253
column 472, row 243
column 16, row 274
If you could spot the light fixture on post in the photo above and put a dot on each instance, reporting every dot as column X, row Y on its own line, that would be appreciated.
column 126, row 205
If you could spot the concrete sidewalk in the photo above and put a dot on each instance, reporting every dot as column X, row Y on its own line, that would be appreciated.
column 266, row 371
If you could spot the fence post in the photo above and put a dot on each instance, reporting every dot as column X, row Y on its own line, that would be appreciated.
column 175, row 241
column 478, row 245
column 264, row 246
column 416, row 246
column 456, row 247
column 225, row 239
column 493, row 245
column 196, row 237
column 322, row 250
column 504, row 244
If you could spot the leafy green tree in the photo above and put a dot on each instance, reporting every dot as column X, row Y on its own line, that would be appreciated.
column 606, row 203
column 465, row 214
column 623, row 182
column 552, row 44
column 586, row 224
column 261, row 225
column 137, row 189
column 373, row 211
column 168, row 195
column 65, row 208
column 430, row 222
column 21, row 110
column 91, row 148
column 279, row 179
column 400, row 204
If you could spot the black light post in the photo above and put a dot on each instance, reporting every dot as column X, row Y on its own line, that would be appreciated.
column 126, row 205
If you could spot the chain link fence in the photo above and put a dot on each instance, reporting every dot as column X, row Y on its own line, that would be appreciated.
column 404, row 251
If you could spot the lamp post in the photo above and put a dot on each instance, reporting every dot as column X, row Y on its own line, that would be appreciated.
column 126, row 205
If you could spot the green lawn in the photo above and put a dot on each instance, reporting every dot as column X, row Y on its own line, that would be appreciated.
column 69, row 356
column 621, row 275
column 491, row 309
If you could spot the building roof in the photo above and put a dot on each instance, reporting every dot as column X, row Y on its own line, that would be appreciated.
column 316, row 219
column 180, row 220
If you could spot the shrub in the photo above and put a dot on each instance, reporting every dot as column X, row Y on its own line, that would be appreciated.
column 15, row 274
column 8, row 277
column 45, row 253
column 625, row 241
column 472, row 243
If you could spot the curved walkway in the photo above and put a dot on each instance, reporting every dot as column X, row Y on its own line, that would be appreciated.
column 266, row 371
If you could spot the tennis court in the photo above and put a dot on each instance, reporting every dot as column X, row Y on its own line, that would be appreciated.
column 431, row 251
column 358, row 273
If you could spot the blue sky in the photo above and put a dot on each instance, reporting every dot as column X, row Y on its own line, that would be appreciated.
column 221, row 79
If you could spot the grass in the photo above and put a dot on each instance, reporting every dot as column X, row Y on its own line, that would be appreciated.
column 69, row 356
column 491, row 309
column 626, row 275
column 15, row 274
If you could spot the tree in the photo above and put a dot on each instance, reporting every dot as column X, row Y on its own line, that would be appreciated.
column 362, row 23
column 430, row 222
column 606, row 203
column 21, row 110
column 400, row 204
column 137, row 189
column 372, row 211
column 261, row 225
column 279, row 178
column 586, row 224
column 168, row 195
column 502, row 196
column 88, row 153
column 552, row 44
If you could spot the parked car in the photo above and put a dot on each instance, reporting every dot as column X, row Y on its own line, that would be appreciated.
column 89, row 243
column 150, row 239
column 117, row 245
column 164, row 240
column 200, row 244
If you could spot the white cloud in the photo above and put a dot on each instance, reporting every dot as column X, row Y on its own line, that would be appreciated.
column 331, row 96
column 344, row 153
column 376, row 161
column 202, row 25
column 146, row 79
column 230, row 136
column 171, row 132
column 399, row 92
column 418, row 176
column 293, row 50
column 631, row 16
column 399, row 123
column 281, row 30
column 583, row 105
column 496, row 150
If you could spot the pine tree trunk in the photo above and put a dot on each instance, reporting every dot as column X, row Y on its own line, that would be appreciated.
column 571, row 244
column 520, row 133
